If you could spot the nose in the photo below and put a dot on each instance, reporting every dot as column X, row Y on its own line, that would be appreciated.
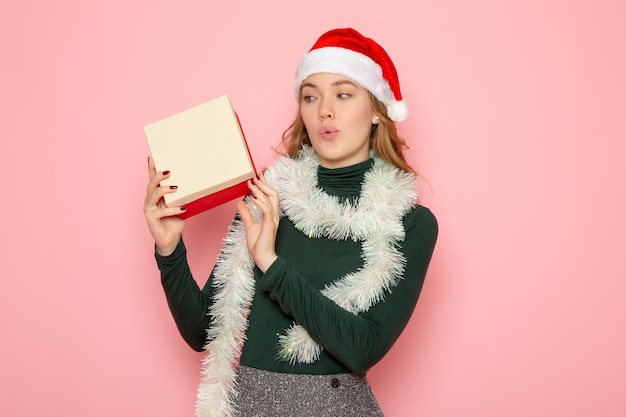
column 326, row 110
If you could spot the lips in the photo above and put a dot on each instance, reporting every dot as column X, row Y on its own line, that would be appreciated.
column 328, row 132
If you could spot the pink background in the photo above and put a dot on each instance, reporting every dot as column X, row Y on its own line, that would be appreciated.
column 517, row 126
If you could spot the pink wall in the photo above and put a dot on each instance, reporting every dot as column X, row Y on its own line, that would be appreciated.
column 517, row 126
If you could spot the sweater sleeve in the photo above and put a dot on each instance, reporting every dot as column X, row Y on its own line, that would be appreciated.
column 358, row 341
column 187, row 302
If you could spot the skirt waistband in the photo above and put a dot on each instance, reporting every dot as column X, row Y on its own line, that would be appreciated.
column 269, row 394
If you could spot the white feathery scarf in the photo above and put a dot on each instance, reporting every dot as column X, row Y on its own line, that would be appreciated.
column 387, row 194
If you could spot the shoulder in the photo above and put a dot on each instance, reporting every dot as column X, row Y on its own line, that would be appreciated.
column 420, row 220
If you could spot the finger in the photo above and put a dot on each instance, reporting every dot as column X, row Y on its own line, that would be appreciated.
column 261, row 181
column 260, row 198
column 155, row 181
column 153, row 198
column 269, row 214
column 262, row 185
column 271, row 193
column 151, row 168
column 269, row 190
column 244, row 212
column 157, row 213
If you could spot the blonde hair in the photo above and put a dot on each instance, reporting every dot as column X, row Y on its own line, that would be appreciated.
column 384, row 138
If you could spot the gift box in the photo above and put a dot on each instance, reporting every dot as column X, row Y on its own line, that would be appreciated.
column 205, row 150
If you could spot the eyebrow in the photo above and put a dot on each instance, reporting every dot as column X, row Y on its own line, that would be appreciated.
column 335, row 84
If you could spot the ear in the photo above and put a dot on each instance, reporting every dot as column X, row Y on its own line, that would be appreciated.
column 375, row 120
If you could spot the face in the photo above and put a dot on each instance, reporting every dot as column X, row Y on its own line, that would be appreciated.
column 338, row 117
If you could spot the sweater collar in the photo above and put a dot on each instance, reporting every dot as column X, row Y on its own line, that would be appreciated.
column 345, row 181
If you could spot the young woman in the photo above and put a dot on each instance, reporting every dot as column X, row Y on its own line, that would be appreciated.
column 322, row 268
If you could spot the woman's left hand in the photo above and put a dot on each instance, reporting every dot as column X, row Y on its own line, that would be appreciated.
column 261, row 235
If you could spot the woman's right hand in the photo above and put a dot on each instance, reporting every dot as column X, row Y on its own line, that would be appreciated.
column 164, row 224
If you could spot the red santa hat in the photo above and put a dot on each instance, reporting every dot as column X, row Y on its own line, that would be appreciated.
column 346, row 52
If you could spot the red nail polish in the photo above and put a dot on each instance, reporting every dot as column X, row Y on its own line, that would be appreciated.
column 166, row 173
column 173, row 187
column 183, row 208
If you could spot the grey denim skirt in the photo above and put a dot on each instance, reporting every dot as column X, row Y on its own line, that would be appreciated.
column 271, row 394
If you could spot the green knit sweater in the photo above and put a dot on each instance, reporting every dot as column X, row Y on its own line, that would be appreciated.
column 290, row 291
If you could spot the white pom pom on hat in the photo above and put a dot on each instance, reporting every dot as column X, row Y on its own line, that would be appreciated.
column 346, row 52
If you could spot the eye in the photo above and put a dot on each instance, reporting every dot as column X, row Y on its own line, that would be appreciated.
column 308, row 99
column 344, row 95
